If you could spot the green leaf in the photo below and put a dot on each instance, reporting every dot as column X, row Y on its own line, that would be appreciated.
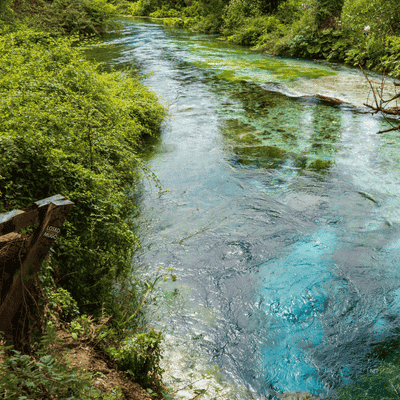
column 313, row 49
column 46, row 359
column 74, row 336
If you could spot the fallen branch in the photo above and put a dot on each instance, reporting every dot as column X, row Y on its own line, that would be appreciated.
column 394, row 128
column 372, row 88
column 381, row 106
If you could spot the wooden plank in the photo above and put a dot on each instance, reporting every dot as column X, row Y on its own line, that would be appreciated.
column 51, row 214
column 18, row 219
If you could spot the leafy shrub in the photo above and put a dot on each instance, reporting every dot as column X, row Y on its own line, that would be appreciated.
column 146, row 7
column 343, row 41
column 383, row 16
column 391, row 60
column 60, row 298
column 6, row 13
column 141, row 7
column 123, row 6
column 236, row 13
column 290, row 11
column 68, row 127
column 66, row 16
column 60, row 301
column 165, row 11
column 367, row 53
column 329, row 44
column 272, row 30
column 327, row 12
column 244, row 23
column 140, row 356
column 250, row 32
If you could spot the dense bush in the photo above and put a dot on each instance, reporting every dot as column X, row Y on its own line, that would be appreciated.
column 140, row 356
column 383, row 16
column 238, row 13
column 68, row 127
column 326, row 12
column 146, row 7
column 64, row 16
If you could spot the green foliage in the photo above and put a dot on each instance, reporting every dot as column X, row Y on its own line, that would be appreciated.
column 147, row 7
column 211, row 16
column 250, row 33
column 391, row 60
column 165, row 11
column 122, row 6
column 68, row 127
column 319, row 44
column 60, row 297
column 368, row 52
column 383, row 16
column 141, row 7
column 327, row 12
column 60, row 300
column 140, row 357
column 377, row 54
column 244, row 22
column 66, row 16
column 237, row 13
column 341, row 41
column 81, row 325
column 132, row 295
column 197, row 15
column 42, row 375
column 6, row 13
column 290, row 11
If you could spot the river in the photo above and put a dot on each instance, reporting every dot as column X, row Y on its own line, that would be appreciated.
column 280, row 216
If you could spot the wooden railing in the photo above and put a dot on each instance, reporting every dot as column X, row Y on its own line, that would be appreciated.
column 21, row 256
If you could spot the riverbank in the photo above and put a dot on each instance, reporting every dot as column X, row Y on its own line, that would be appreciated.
column 296, row 29
column 70, row 127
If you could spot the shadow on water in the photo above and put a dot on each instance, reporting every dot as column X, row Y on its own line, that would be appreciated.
column 281, row 219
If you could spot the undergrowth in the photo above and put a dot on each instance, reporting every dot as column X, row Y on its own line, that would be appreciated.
column 44, row 375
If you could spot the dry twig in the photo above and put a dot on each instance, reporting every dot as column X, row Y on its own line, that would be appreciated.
column 381, row 105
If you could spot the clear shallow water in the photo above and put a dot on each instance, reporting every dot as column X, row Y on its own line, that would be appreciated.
column 281, row 217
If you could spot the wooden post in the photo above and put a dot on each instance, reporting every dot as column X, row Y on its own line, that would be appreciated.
column 50, row 214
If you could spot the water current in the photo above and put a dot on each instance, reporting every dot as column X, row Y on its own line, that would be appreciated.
column 280, row 216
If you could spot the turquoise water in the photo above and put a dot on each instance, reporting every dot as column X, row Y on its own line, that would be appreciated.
column 296, row 306
column 280, row 218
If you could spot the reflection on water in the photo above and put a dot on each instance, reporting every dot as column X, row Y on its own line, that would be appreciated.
column 280, row 220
